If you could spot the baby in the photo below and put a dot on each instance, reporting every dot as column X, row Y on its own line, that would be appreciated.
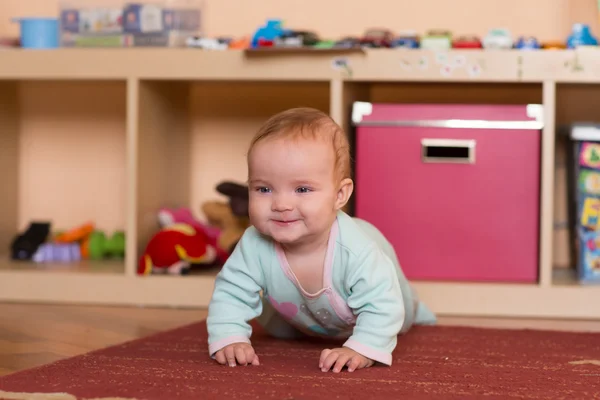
column 321, row 272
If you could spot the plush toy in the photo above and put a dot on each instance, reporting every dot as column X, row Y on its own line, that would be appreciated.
column 231, row 217
column 174, row 249
column 183, row 215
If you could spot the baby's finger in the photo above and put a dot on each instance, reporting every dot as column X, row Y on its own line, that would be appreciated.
column 240, row 355
column 324, row 355
column 255, row 361
column 230, row 356
column 329, row 361
column 250, row 355
column 340, row 362
column 354, row 363
column 220, row 357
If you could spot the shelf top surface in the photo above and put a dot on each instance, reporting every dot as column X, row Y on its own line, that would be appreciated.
column 363, row 66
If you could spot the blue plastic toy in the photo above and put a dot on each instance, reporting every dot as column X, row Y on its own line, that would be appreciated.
column 527, row 43
column 581, row 36
column 268, row 33
column 39, row 33
column 405, row 42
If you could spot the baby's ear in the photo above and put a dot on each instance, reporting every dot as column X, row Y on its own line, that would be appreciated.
column 345, row 190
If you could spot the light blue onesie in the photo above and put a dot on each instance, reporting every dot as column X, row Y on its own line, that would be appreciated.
column 365, row 300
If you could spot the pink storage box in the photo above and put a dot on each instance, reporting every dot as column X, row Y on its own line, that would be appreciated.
column 455, row 188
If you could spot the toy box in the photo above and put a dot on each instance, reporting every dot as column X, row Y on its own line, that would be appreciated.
column 453, row 187
column 584, row 200
column 161, row 23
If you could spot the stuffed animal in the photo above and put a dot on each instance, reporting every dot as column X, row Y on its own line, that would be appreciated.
column 174, row 249
column 169, row 216
column 230, row 218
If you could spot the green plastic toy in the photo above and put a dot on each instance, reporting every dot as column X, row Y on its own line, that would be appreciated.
column 101, row 246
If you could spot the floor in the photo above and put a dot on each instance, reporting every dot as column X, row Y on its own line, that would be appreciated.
column 33, row 334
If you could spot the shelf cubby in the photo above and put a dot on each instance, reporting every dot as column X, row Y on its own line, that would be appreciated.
column 194, row 134
column 576, row 103
column 63, row 159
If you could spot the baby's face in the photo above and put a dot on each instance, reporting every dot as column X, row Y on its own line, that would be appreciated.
column 292, row 189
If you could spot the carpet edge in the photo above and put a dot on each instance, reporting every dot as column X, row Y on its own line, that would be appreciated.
column 50, row 396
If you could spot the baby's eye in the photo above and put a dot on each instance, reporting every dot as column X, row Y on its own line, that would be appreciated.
column 303, row 190
column 263, row 189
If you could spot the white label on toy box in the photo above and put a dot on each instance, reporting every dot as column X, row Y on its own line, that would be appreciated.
column 150, row 18
column 423, row 63
column 405, row 65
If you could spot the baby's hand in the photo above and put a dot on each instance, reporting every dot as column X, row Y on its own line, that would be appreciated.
column 344, row 356
column 242, row 352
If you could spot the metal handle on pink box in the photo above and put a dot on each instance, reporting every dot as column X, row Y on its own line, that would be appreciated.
column 455, row 151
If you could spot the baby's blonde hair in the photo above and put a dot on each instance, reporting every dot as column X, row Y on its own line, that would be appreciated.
column 310, row 123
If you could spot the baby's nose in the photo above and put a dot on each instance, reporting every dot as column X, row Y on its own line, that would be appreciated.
column 281, row 203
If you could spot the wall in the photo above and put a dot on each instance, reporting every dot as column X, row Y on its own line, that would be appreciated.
column 546, row 19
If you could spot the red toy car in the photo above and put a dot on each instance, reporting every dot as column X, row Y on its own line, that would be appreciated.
column 377, row 38
column 467, row 42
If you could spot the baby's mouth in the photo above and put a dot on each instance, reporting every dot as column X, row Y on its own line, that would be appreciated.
column 284, row 222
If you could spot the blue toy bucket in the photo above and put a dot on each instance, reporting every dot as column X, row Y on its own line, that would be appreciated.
column 39, row 33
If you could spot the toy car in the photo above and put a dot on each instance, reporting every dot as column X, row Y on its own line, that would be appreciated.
column 498, row 39
column 467, row 42
column 347, row 43
column 409, row 40
column 208, row 43
column 437, row 40
column 292, row 38
column 324, row 44
column 554, row 45
column 375, row 38
column 527, row 43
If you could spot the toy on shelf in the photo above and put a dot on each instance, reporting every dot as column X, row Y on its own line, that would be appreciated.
column 174, row 249
column 265, row 35
column 296, row 38
column 377, row 38
column 584, row 200
column 347, row 42
column 184, row 243
column 24, row 245
column 498, row 38
column 219, row 43
column 527, row 43
column 158, row 24
column 57, row 253
column 93, row 243
column 581, row 36
column 99, row 246
column 554, row 45
column 406, row 40
column 170, row 216
column 467, row 42
column 230, row 217
column 437, row 40
column 82, row 242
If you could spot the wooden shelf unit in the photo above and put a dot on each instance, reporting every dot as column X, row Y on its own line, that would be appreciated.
column 113, row 134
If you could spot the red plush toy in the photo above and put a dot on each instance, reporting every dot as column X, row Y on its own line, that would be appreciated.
column 174, row 249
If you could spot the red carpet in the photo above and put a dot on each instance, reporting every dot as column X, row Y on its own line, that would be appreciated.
column 430, row 362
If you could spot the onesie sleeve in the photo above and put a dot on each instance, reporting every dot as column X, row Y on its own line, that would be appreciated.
column 376, row 299
column 236, row 296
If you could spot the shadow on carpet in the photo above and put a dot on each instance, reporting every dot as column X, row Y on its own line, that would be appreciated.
column 430, row 361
